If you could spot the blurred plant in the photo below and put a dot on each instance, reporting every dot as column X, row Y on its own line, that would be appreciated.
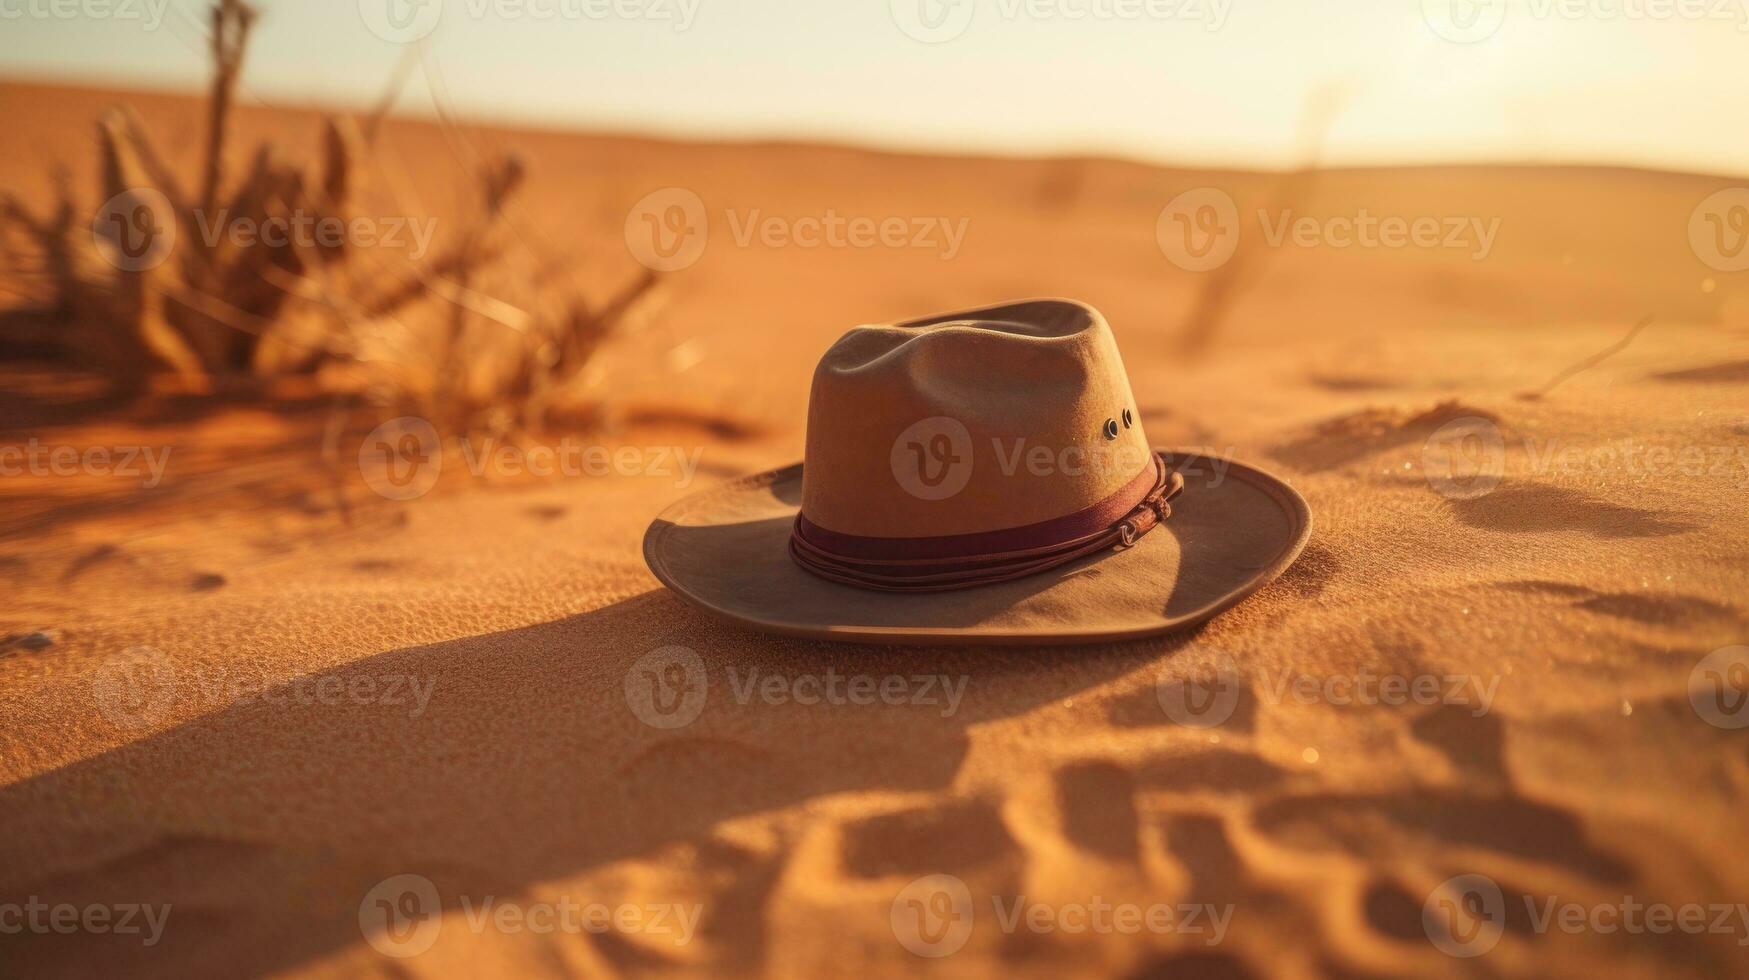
column 219, row 310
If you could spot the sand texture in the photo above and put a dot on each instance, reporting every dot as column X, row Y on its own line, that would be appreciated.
column 1582, row 592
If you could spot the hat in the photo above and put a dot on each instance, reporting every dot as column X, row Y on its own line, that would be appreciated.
column 980, row 477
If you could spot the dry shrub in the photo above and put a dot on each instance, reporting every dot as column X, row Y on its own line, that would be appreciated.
column 428, row 334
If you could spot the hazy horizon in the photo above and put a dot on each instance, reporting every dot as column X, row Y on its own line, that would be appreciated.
column 1207, row 83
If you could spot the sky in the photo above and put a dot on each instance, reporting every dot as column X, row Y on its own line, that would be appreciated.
column 1231, row 83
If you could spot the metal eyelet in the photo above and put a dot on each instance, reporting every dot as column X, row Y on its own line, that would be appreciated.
column 1111, row 428
column 1129, row 418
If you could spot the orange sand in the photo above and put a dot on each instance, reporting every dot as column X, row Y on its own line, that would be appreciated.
column 1586, row 590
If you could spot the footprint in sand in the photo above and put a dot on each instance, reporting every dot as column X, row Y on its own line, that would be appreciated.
column 1474, row 744
column 1097, row 800
column 954, row 836
column 1382, row 825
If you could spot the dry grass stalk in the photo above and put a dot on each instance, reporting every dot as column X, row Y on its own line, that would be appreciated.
column 222, row 309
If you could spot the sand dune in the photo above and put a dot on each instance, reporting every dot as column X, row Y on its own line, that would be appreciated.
column 1582, row 591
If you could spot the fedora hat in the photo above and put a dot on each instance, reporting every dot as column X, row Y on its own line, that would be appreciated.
column 980, row 477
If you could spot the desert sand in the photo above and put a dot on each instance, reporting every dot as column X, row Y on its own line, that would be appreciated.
column 1582, row 592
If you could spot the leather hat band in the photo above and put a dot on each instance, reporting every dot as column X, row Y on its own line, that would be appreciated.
column 964, row 561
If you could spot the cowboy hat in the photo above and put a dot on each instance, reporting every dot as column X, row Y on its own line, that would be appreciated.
column 980, row 477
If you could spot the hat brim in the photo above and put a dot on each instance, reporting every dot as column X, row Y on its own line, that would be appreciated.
column 1233, row 531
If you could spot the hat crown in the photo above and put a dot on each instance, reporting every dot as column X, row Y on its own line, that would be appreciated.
column 969, row 422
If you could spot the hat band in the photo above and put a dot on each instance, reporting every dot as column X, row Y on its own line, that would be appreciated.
column 961, row 561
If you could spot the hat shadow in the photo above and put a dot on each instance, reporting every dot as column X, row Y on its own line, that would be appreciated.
column 265, row 822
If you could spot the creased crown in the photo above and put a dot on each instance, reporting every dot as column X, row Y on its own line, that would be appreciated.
column 969, row 422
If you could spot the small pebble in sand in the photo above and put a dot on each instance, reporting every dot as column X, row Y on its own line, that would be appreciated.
column 40, row 640
column 1310, row 755
column 207, row 581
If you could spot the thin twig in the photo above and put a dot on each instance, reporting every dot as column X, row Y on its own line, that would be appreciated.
column 1588, row 363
